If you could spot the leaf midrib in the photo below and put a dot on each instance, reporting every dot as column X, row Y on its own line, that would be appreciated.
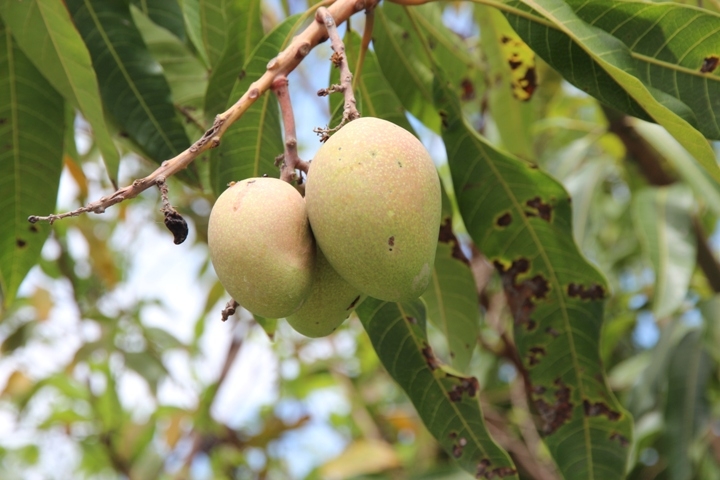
column 638, row 56
column 442, row 388
column 16, row 140
column 127, row 77
column 555, row 285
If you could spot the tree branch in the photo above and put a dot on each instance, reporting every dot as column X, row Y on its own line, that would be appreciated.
column 289, row 161
column 339, row 59
column 283, row 64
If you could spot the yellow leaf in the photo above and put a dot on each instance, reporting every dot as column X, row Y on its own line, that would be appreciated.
column 43, row 303
column 18, row 384
column 362, row 457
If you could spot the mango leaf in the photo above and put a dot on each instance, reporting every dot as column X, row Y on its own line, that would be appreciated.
column 507, row 56
column 520, row 218
column 373, row 93
column 205, row 25
column 32, row 127
column 446, row 400
column 191, row 16
column 132, row 84
column 451, row 299
column 687, row 411
column 404, row 64
column 244, row 32
column 608, row 69
column 671, row 44
column 164, row 13
column 250, row 145
column 664, row 225
column 184, row 73
column 45, row 32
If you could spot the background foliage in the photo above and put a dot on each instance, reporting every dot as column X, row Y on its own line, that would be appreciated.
column 571, row 327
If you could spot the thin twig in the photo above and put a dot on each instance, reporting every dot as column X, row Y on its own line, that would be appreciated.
column 339, row 59
column 283, row 64
column 290, row 159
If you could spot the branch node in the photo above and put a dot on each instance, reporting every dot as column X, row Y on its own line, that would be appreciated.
column 229, row 309
column 272, row 64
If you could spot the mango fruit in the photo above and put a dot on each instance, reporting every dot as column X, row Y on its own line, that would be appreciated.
column 373, row 200
column 330, row 303
column 262, row 247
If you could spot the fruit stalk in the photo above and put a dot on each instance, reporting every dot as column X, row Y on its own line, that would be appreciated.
column 339, row 59
column 290, row 159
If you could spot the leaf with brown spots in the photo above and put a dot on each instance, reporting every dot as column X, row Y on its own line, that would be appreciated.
column 556, row 327
column 446, row 400
column 451, row 299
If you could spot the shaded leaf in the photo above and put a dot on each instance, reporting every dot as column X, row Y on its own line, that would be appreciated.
column 32, row 128
column 164, row 13
column 608, row 69
column 250, row 145
column 664, row 224
column 184, row 73
column 208, row 20
column 404, row 64
column 148, row 366
column 44, row 31
column 687, row 410
column 132, row 84
column 520, row 218
column 244, row 32
column 446, row 400
column 191, row 16
column 451, row 299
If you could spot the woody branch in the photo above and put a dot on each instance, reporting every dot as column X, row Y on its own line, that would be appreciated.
column 283, row 64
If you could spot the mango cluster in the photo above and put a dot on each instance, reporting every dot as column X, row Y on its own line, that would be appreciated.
column 367, row 226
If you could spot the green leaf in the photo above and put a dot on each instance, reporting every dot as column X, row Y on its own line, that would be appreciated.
column 244, row 32
column 191, row 16
column 669, row 43
column 687, row 411
column 206, row 24
column 451, row 300
column 663, row 219
column 605, row 67
column 148, row 366
column 45, row 32
column 164, row 13
column 520, row 218
column 32, row 127
column 446, row 400
column 250, row 145
column 184, row 73
column 132, row 84
column 373, row 93
column 404, row 64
